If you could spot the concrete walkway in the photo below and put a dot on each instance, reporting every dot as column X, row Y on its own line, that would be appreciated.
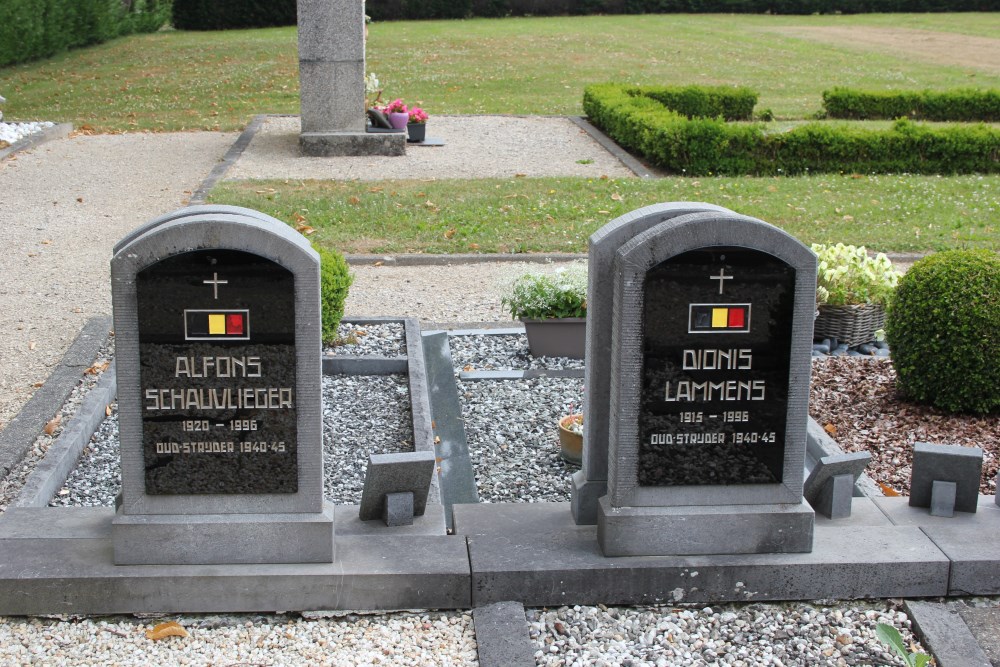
column 63, row 205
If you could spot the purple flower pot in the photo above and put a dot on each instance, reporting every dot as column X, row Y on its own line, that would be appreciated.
column 399, row 120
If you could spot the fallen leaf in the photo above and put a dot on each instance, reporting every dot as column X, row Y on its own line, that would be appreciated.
column 46, row 241
column 450, row 233
column 467, row 368
column 53, row 424
column 38, row 384
column 98, row 367
column 375, row 189
column 831, row 429
column 31, row 345
column 437, row 439
column 107, row 410
column 616, row 196
column 379, row 263
column 164, row 630
column 473, row 246
column 354, row 201
column 888, row 490
column 80, row 199
column 305, row 230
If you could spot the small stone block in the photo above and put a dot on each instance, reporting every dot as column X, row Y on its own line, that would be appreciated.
column 946, row 463
column 834, row 499
column 827, row 468
column 943, row 498
column 398, row 509
column 396, row 473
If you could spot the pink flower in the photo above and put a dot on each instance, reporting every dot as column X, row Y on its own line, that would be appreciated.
column 396, row 106
column 418, row 115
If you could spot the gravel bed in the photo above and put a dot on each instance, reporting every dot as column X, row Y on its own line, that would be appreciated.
column 738, row 635
column 369, row 340
column 513, row 441
column 362, row 415
column 243, row 639
column 501, row 352
column 11, row 133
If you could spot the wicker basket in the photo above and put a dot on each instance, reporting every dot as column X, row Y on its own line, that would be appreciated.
column 852, row 325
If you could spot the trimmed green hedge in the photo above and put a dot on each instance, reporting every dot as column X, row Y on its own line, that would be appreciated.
column 388, row 10
column 232, row 14
column 34, row 29
column 953, row 105
column 701, row 146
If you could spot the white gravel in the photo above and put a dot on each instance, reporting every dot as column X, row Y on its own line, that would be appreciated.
column 475, row 147
column 11, row 133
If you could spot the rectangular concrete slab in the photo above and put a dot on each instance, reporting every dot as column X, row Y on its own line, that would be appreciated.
column 70, row 571
column 899, row 511
column 536, row 554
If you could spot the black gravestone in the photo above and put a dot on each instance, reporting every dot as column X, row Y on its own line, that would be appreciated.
column 717, row 329
column 217, row 374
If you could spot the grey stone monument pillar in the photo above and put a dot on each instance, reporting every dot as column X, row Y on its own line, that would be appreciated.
column 332, row 82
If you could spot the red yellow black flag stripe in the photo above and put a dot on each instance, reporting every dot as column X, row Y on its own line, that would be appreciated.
column 217, row 325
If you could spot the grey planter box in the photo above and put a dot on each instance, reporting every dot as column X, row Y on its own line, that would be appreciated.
column 563, row 337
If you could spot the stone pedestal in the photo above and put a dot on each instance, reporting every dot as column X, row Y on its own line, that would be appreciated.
column 704, row 530
column 332, row 82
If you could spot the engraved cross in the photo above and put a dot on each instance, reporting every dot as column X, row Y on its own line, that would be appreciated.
column 215, row 282
column 721, row 278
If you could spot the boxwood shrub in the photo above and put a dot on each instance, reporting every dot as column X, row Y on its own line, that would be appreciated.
column 701, row 146
column 942, row 328
column 335, row 281
column 33, row 29
column 953, row 105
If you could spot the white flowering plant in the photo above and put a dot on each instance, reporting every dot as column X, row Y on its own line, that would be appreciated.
column 847, row 275
column 542, row 296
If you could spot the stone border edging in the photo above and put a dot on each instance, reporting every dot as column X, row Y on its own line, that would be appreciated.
column 17, row 437
column 228, row 160
column 502, row 637
column 608, row 144
column 57, row 131
column 52, row 470
column 945, row 635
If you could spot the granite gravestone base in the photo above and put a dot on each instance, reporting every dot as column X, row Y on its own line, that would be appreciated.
column 711, row 338
column 217, row 327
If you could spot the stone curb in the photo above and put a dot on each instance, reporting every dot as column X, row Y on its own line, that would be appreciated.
column 610, row 146
column 21, row 431
column 446, row 260
column 945, row 635
column 228, row 160
column 502, row 635
column 51, row 472
column 58, row 131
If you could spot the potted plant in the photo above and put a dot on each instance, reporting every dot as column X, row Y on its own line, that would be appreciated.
column 852, row 289
column 416, row 128
column 571, row 438
column 397, row 113
column 553, row 307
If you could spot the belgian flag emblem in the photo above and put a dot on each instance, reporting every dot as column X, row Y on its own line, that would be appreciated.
column 719, row 318
column 221, row 325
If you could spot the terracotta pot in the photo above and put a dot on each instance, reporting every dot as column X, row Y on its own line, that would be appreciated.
column 570, row 442
column 562, row 337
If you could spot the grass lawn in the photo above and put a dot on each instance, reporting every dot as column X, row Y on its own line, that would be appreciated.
column 886, row 213
column 175, row 80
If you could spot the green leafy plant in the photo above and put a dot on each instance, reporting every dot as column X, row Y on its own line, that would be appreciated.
column 335, row 281
column 847, row 275
column 942, row 329
column 890, row 635
column 541, row 296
